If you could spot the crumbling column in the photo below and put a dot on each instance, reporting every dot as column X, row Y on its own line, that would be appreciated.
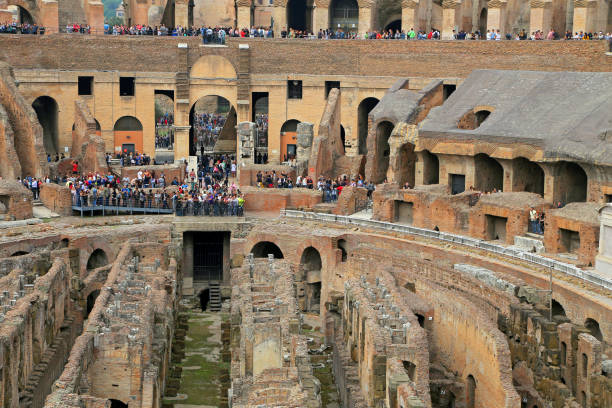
column 280, row 17
column 496, row 15
column 305, row 135
column 410, row 18
column 365, row 17
column 585, row 13
column 540, row 15
column 449, row 18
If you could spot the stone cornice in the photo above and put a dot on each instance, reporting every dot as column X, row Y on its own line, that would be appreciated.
column 411, row 4
column 449, row 4
column 497, row 3
column 243, row 3
column 585, row 3
column 280, row 3
column 540, row 4
column 365, row 3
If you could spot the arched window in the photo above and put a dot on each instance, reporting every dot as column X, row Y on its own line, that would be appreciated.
column 211, row 118
column 97, row 259
column 470, row 392
column 262, row 249
column 593, row 327
column 363, row 111
column 489, row 173
column 47, row 110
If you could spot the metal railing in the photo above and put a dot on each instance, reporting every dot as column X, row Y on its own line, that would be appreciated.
column 562, row 267
column 121, row 205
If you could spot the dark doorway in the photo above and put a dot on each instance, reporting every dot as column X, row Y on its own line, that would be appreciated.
column 47, row 111
column 489, row 173
column 482, row 26
column 496, row 227
column 395, row 25
column 572, row 183
column 260, row 118
column 128, row 148
column 431, row 168
column 457, row 183
column 592, row 326
column 383, row 150
column 204, row 298
column 208, row 255
column 296, row 15
column 421, row 319
column 470, row 392
column 362, row 122
column 97, row 259
column 118, row 404
column 447, row 90
column 557, row 309
column 264, row 248
column 342, row 137
column 91, row 301
column 570, row 240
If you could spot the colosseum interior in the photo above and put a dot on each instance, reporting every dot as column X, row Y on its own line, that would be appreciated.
column 430, row 290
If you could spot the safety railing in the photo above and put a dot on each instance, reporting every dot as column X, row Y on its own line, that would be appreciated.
column 537, row 259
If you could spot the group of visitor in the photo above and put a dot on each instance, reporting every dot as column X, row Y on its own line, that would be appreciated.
column 206, row 129
column 13, row 27
column 78, row 28
column 537, row 217
column 164, row 132
column 130, row 158
column 215, row 166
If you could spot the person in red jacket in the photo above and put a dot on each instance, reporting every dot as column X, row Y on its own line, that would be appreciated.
column 75, row 167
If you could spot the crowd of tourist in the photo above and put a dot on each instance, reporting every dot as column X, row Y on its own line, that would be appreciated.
column 13, row 27
column 331, row 188
column 206, row 129
column 164, row 132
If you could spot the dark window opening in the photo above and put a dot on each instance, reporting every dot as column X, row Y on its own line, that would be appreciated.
column 447, row 90
column 19, row 253
column 457, row 182
column 557, row 309
column 262, row 249
column 86, row 85
column 593, row 327
column 608, row 198
column 294, row 89
column 410, row 368
column 421, row 319
column 204, row 299
column 496, row 227
column 570, row 240
column 563, row 353
column 126, row 86
column 91, row 301
column 585, row 365
column 208, row 255
column 167, row 92
column 329, row 85
column 97, row 259
column 118, row 404
column 342, row 247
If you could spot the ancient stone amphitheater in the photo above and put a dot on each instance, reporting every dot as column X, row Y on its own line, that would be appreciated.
column 431, row 291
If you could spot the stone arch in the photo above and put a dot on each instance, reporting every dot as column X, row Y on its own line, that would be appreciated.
column 299, row 15
column 47, row 111
column 311, row 265
column 117, row 403
column 592, row 326
column 395, row 24
column 364, row 109
column 27, row 10
column 212, row 66
column 288, row 138
column 263, row 248
column 343, row 249
column 474, row 118
column 128, row 134
column 557, row 309
column 201, row 137
column 344, row 15
column 470, row 391
column 380, row 164
column 489, row 173
column 97, row 259
column 527, row 176
column 571, row 183
column 19, row 253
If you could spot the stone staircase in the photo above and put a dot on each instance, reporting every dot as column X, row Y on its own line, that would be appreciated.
column 214, row 302
column 70, row 12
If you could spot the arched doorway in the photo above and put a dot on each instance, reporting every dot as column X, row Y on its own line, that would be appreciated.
column 21, row 15
column 91, row 301
column 482, row 22
column 395, row 26
column 299, row 15
column 311, row 267
column 489, row 173
column 211, row 118
column 47, row 110
column 571, row 183
column 431, row 168
column 128, row 135
column 343, row 138
column 342, row 248
column 118, row 404
column 592, row 326
column 470, row 392
column 527, row 176
column 363, row 110
column 260, row 118
column 406, row 162
column 289, row 139
column 263, row 248
column 164, row 121
column 344, row 15
column 557, row 309
column 97, row 259
column 383, row 150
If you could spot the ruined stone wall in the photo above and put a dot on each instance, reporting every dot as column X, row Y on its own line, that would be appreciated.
column 248, row 173
column 27, row 133
column 9, row 162
column 57, row 198
column 87, row 147
column 272, row 200
column 170, row 171
column 15, row 201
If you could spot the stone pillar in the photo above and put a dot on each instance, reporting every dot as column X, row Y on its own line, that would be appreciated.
column 280, row 17
column 365, row 17
column 320, row 18
column 540, row 16
column 243, row 14
column 181, row 13
column 410, row 18
column 49, row 16
column 449, row 18
column 95, row 16
column 305, row 135
column 181, row 142
column 496, row 16
column 246, row 145
column 585, row 13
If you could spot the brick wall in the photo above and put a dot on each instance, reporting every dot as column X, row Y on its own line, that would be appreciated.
column 272, row 200
column 57, row 198
column 17, row 201
column 9, row 162
column 381, row 58
column 248, row 173
column 170, row 171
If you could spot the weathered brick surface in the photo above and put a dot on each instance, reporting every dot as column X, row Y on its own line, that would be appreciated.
column 15, row 200
column 57, row 198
